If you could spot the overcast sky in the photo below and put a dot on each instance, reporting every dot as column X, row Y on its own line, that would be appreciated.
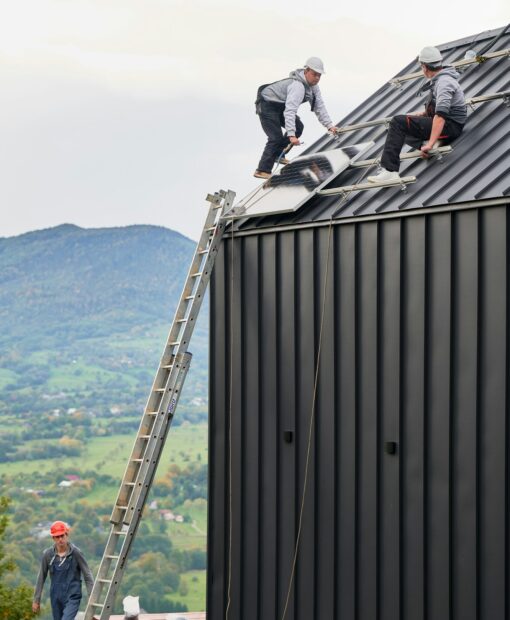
column 117, row 112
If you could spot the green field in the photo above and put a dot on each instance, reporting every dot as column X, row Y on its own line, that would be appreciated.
column 185, row 444
column 6, row 376
column 190, row 535
column 194, row 583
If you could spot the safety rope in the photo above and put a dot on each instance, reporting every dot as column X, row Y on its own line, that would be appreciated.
column 310, row 429
column 312, row 413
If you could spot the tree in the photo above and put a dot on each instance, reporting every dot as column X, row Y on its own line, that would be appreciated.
column 15, row 602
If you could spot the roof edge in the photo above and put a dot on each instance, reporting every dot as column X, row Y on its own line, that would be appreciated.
column 355, row 219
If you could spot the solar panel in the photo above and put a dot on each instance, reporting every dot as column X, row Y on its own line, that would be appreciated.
column 290, row 187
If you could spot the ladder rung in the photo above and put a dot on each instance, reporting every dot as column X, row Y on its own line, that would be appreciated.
column 124, row 517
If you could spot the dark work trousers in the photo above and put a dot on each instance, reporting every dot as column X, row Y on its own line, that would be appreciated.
column 403, row 127
column 65, row 591
column 272, row 121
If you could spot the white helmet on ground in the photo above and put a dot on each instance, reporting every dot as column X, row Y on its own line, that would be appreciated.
column 315, row 64
column 431, row 56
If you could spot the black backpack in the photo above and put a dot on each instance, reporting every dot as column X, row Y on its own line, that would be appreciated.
column 259, row 98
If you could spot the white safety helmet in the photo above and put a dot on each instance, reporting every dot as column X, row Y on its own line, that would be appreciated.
column 431, row 56
column 315, row 64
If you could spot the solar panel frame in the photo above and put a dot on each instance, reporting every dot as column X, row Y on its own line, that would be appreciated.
column 294, row 184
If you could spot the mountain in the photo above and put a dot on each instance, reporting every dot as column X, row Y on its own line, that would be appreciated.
column 84, row 315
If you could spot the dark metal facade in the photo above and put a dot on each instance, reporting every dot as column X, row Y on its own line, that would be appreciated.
column 406, row 514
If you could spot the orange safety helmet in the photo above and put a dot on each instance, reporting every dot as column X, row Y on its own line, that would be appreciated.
column 58, row 528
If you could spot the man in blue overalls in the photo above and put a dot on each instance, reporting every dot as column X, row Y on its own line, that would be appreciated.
column 66, row 565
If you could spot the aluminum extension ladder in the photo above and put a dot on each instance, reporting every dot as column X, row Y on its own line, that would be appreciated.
column 158, row 414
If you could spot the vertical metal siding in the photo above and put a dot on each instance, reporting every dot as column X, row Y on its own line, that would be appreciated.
column 270, row 505
column 414, row 354
column 437, row 417
column 346, row 425
column 412, row 438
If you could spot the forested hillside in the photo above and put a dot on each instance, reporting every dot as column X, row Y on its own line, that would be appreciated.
column 84, row 315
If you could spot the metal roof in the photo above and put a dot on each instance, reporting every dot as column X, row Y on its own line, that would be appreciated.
column 478, row 168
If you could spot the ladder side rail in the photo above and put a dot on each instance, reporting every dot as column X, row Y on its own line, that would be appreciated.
column 203, row 279
column 202, row 246
column 505, row 94
column 158, row 436
column 356, row 126
column 156, row 450
column 126, row 533
column 387, row 120
column 460, row 63
column 129, row 537
column 152, row 409
column 334, row 191
column 102, row 572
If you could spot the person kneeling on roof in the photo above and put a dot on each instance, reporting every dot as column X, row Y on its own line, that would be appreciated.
column 277, row 106
column 443, row 118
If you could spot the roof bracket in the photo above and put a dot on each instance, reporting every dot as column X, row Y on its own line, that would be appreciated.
column 402, row 182
column 437, row 153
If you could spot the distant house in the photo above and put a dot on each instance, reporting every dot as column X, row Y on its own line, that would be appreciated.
column 64, row 484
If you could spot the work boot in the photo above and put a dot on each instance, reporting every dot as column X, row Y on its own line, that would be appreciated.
column 384, row 175
column 260, row 174
column 283, row 161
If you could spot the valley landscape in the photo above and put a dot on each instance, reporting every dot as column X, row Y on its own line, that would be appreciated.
column 84, row 315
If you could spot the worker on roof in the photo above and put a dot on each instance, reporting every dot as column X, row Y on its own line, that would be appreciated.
column 66, row 565
column 277, row 105
column 443, row 119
